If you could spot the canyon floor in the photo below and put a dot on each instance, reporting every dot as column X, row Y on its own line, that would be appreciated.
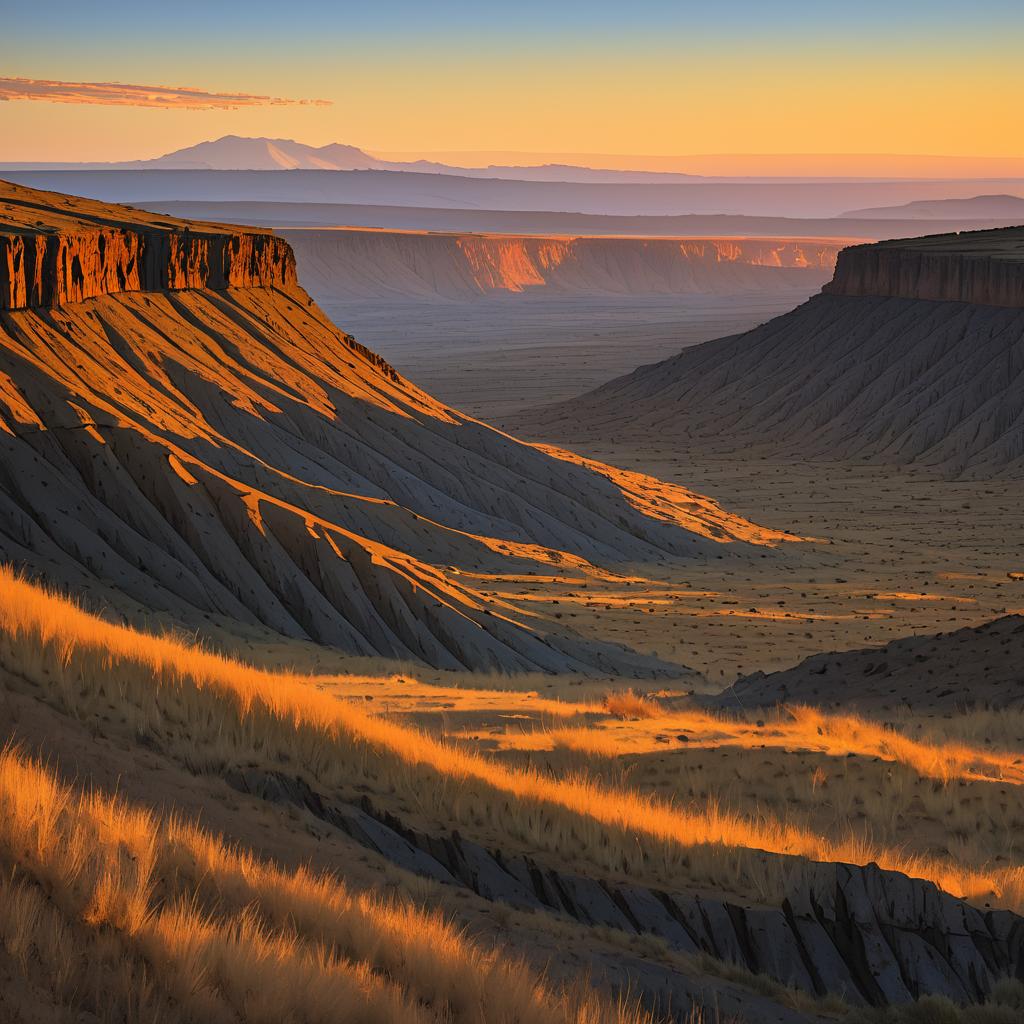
column 499, row 356
column 892, row 551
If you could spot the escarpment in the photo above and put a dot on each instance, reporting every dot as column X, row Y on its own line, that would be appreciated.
column 369, row 264
column 45, row 263
column 981, row 267
column 200, row 440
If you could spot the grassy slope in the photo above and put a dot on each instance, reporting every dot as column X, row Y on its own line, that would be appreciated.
column 212, row 713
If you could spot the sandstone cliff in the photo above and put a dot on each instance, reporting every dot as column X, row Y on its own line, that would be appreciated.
column 981, row 267
column 86, row 252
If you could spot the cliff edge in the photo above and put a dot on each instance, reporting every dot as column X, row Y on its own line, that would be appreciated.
column 356, row 264
column 91, row 249
column 981, row 267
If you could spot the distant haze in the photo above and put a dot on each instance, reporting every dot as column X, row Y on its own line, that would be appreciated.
column 257, row 153
column 1004, row 207
column 785, row 165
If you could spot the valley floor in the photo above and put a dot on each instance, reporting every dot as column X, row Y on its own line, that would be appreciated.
column 892, row 553
column 496, row 356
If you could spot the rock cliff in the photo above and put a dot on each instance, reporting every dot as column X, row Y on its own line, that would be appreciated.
column 981, row 267
column 47, row 261
column 353, row 264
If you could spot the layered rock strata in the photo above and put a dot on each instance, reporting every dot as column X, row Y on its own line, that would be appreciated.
column 981, row 267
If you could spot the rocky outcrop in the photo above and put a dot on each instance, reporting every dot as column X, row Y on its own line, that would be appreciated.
column 981, row 267
column 54, row 269
column 874, row 937
column 938, row 672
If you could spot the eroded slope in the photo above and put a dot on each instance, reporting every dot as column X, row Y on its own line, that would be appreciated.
column 914, row 355
column 228, row 451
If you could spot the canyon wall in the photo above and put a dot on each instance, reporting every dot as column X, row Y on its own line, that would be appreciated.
column 342, row 264
column 984, row 268
column 54, row 268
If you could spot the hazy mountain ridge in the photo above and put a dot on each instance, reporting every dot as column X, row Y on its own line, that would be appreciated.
column 418, row 189
column 237, row 153
column 1002, row 206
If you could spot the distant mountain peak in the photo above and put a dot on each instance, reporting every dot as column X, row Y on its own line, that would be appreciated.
column 247, row 153
column 998, row 205
column 240, row 153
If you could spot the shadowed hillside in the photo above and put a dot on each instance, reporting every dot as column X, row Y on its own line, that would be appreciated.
column 973, row 667
column 915, row 355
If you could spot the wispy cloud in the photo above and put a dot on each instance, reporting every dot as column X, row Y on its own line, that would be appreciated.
column 119, row 94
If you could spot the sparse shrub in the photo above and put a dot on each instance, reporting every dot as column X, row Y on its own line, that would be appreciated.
column 1008, row 992
column 629, row 704
column 930, row 1010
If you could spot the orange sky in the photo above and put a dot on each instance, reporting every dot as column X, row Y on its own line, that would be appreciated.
column 650, row 79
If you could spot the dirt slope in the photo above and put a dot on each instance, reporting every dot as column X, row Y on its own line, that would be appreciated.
column 969, row 668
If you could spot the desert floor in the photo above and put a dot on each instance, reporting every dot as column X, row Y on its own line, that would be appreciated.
column 496, row 356
column 888, row 554
column 894, row 552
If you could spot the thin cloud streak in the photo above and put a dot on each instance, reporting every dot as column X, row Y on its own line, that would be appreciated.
column 118, row 94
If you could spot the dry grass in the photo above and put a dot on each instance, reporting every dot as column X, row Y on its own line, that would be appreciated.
column 1005, row 1006
column 212, row 712
column 909, row 787
column 628, row 704
column 795, row 727
column 170, row 924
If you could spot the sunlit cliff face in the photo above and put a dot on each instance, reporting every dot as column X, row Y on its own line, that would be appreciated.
column 518, row 264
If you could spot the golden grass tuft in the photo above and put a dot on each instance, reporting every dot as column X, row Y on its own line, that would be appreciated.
column 629, row 704
column 170, row 924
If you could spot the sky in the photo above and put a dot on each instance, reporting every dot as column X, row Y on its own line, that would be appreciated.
column 640, row 79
